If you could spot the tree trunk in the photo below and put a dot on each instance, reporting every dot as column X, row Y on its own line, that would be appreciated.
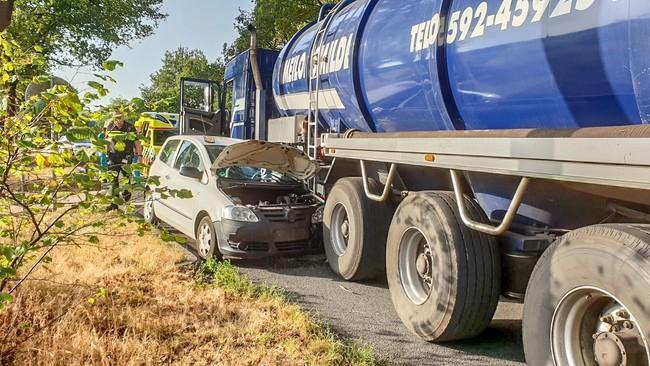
column 6, row 8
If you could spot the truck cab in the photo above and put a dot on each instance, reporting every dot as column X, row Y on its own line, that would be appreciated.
column 242, row 94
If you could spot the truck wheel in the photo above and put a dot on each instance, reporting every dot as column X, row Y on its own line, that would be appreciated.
column 354, row 231
column 206, row 239
column 444, row 278
column 588, row 299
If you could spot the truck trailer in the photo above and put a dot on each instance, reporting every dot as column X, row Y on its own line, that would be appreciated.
column 473, row 150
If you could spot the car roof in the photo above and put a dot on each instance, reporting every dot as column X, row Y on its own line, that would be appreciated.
column 207, row 140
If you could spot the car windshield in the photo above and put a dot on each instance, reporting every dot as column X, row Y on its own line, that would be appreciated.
column 261, row 175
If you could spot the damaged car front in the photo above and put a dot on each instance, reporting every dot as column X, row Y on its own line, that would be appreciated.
column 271, row 212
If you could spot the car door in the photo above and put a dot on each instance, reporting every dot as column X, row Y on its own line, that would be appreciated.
column 162, row 169
column 186, row 209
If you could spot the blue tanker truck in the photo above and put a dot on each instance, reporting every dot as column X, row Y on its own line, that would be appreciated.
column 473, row 150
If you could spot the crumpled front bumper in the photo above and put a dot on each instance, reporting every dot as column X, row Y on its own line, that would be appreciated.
column 279, row 232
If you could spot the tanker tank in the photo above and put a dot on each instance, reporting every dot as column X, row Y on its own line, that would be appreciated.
column 426, row 65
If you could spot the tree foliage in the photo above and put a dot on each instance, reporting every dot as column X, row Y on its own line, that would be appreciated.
column 82, row 31
column 276, row 22
column 182, row 62
column 49, row 193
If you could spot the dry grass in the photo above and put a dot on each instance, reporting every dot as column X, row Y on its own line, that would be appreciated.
column 128, row 304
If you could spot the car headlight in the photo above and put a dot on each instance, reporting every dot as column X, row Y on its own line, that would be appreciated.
column 239, row 213
column 317, row 216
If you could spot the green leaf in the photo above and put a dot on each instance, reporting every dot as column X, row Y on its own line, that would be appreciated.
column 184, row 194
column 111, row 65
column 166, row 237
column 5, row 299
column 7, row 252
column 7, row 272
column 95, row 85
column 93, row 239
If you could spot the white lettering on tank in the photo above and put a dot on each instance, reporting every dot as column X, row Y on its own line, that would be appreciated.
column 341, row 54
column 334, row 57
column 476, row 21
column 419, row 43
column 414, row 32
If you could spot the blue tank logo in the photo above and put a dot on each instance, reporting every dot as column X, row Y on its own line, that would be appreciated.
column 472, row 22
column 333, row 57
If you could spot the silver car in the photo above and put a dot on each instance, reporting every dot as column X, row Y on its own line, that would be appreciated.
column 249, row 199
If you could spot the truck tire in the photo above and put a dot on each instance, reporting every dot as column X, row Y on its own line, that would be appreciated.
column 354, row 231
column 444, row 278
column 588, row 299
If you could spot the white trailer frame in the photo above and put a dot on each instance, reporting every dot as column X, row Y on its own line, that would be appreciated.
column 614, row 162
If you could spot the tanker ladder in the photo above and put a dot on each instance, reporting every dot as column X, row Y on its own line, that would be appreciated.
column 313, row 115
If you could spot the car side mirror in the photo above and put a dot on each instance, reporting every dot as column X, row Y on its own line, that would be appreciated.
column 191, row 172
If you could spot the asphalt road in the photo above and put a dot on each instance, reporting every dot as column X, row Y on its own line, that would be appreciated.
column 364, row 311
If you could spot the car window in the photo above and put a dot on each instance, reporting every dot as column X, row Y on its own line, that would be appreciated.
column 189, row 157
column 214, row 151
column 167, row 152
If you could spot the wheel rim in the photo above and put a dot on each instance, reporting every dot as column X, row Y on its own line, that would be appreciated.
column 205, row 240
column 415, row 266
column 340, row 232
column 148, row 207
column 592, row 327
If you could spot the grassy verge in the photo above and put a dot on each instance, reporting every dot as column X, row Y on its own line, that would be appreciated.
column 125, row 302
column 321, row 340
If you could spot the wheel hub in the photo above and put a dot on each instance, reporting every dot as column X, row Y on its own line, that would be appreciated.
column 345, row 229
column 204, row 240
column 422, row 265
column 609, row 350
column 416, row 266
column 340, row 233
column 618, row 349
column 589, row 313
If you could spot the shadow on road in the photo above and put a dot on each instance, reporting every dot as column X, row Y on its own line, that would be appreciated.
column 365, row 311
column 501, row 341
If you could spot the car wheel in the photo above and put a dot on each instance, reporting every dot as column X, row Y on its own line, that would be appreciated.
column 206, row 239
column 444, row 278
column 588, row 302
column 148, row 212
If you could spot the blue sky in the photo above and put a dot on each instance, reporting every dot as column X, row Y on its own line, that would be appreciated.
column 202, row 24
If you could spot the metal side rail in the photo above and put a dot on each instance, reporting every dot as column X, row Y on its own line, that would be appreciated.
column 618, row 162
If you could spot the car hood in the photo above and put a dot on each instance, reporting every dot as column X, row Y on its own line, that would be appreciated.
column 268, row 155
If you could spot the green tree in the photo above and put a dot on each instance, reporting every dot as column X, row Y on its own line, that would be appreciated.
column 75, row 32
column 276, row 22
column 183, row 62
column 82, row 31
column 50, row 194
